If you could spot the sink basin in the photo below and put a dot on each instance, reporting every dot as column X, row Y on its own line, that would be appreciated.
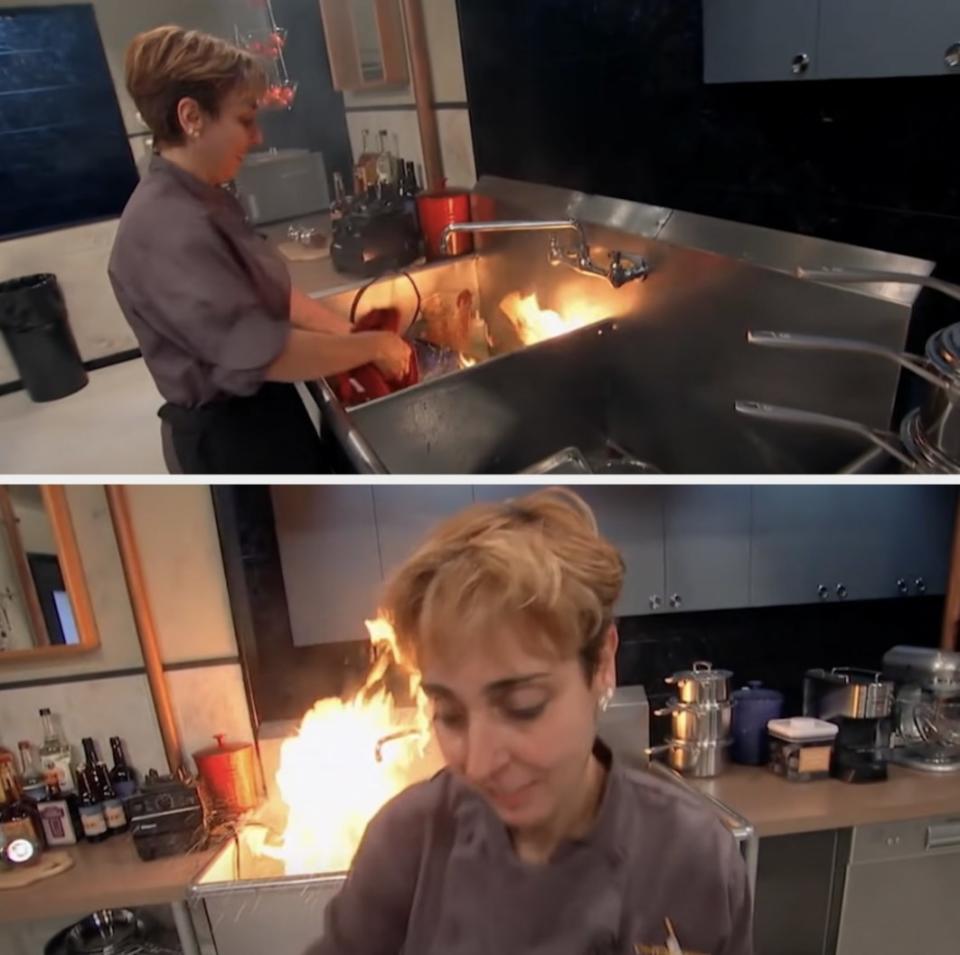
column 582, row 390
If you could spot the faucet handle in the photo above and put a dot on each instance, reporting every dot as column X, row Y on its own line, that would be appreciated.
column 623, row 270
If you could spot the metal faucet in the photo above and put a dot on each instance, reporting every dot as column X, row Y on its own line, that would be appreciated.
column 620, row 271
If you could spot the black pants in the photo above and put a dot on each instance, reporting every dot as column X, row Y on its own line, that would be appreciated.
column 268, row 433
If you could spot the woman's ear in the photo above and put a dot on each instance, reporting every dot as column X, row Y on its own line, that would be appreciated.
column 607, row 671
column 190, row 117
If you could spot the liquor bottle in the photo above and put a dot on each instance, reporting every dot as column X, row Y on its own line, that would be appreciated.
column 31, row 775
column 19, row 816
column 55, row 754
column 112, row 807
column 113, row 810
column 60, row 816
column 92, row 819
column 122, row 775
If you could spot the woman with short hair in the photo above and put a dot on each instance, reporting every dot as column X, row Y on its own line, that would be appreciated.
column 222, row 331
column 533, row 839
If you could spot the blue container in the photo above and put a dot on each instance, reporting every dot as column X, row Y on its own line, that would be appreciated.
column 754, row 707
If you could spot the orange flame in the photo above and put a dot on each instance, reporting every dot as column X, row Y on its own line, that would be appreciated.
column 347, row 759
column 534, row 324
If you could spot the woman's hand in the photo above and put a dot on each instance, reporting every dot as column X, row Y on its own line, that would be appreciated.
column 393, row 359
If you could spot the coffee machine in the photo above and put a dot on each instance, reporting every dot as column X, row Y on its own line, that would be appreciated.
column 860, row 703
column 926, row 716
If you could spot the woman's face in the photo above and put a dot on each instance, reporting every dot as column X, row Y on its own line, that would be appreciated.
column 222, row 142
column 518, row 725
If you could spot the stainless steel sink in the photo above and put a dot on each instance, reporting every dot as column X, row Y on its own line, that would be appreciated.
column 661, row 377
column 582, row 390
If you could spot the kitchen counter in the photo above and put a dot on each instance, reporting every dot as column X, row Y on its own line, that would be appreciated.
column 106, row 875
column 777, row 807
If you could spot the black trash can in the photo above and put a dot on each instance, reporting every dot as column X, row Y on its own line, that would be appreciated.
column 33, row 320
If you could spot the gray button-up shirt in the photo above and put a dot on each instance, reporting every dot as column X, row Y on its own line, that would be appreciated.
column 207, row 298
column 436, row 875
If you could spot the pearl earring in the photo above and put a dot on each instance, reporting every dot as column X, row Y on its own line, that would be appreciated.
column 606, row 699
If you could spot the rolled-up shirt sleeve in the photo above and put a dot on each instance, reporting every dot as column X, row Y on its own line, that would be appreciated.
column 199, row 294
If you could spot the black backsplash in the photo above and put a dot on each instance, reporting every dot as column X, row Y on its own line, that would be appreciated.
column 64, row 154
column 772, row 644
column 607, row 96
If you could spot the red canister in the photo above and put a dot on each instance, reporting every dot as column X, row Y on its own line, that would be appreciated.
column 228, row 772
column 437, row 210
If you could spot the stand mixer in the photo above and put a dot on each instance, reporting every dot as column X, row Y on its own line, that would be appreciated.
column 926, row 727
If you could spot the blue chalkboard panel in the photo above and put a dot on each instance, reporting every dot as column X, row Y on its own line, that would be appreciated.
column 64, row 153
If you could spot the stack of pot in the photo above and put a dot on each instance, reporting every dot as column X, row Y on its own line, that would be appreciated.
column 700, row 717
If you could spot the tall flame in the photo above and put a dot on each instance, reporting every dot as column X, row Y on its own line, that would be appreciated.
column 347, row 759
column 534, row 324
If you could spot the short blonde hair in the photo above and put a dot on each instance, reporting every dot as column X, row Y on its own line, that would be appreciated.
column 536, row 563
column 167, row 64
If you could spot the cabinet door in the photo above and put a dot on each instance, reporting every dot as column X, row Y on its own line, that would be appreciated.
column 405, row 515
column 759, row 40
column 791, row 529
column 856, row 543
column 918, row 522
column 706, row 547
column 330, row 558
column 631, row 517
column 864, row 38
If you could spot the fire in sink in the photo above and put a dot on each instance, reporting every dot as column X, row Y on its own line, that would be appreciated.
column 346, row 760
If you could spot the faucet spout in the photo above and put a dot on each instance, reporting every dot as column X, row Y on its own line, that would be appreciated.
column 577, row 256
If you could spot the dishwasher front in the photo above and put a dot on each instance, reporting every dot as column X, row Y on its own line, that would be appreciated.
column 900, row 890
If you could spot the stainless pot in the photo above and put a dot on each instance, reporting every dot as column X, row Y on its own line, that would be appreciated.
column 698, row 722
column 928, row 438
column 700, row 760
column 847, row 692
column 701, row 684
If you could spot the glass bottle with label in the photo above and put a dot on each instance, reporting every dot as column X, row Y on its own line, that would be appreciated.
column 112, row 807
column 123, row 776
column 55, row 754
column 60, row 816
column 31, row 776
column 91, row 811
column 19, row 816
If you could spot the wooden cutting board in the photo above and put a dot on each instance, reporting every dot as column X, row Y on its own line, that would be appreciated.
column 50, row 864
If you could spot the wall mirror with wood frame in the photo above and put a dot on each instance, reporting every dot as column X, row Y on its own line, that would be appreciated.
column 45, row 608
column 365, row 40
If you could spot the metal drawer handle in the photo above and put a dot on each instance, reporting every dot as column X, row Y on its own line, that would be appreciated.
column 944, row 835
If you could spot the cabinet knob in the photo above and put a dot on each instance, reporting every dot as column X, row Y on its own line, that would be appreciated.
column 800, row 64
column 656, row 602
column 952, row 57
column 675, row 601
column 823, row 592
column 902, row 586
column 842, row 591
column 921, row 585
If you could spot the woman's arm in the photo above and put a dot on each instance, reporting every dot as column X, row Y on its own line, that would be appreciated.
column 309, row 314
column 309, row 355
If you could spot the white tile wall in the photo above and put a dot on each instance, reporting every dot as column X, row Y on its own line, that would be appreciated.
column 446, row 54
column 180, row 549
column 120, row 706
column 209, row 700
column 402, row 128
column 456, row 147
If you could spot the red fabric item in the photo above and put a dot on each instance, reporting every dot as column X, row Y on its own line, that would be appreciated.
column 368, row 382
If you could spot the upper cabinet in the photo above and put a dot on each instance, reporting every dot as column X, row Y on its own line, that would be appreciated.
column 751, row 40
column 760, row 41
column 686, row 548
column 818, row 543
column 365, row 41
